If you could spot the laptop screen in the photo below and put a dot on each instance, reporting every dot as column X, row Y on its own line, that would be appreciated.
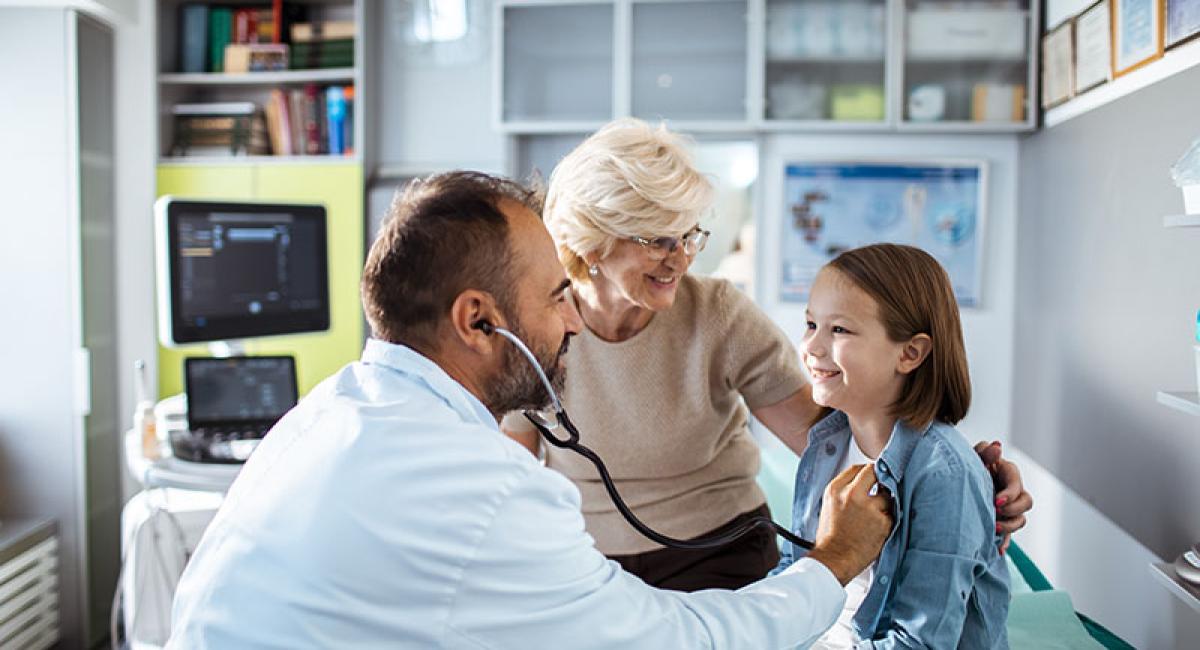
column 239, row 390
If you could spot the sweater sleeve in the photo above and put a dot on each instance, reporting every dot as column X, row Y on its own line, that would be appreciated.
column 760, row 362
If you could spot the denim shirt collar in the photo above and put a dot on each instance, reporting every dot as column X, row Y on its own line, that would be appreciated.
column 409, row 362
column 834, row 429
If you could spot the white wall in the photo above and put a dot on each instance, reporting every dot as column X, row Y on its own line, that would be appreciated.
column 1105, row 569
column 988, row 329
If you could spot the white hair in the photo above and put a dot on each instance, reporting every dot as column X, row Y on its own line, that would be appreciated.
column 627, row 179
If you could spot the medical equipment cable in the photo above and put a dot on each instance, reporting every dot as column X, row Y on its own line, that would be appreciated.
column 572, row 442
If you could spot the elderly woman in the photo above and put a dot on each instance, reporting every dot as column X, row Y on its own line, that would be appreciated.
column 663, row 378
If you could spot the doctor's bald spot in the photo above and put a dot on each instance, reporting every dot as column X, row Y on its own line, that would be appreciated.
column 442, row 235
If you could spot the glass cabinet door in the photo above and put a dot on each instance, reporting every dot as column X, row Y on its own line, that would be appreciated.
column 966, row 62
column 689, row 60
column 558, row 63
column 825, row 61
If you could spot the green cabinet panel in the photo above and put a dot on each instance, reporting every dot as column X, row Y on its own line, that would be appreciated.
column 339, row 186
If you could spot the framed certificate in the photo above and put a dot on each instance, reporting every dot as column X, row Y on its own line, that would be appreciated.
column 1183, row 21
column 1093, row 46
column 1137, row 34
column 1057, row 60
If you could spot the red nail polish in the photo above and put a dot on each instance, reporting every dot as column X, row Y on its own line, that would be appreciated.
column 1001, row 501
column 997, row 528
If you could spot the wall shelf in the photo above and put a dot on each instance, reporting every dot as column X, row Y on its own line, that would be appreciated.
column 325, row 75
column 208, row 161
column 1186, row 402
column 1164, row 572
column 1181, row 221
column 1172, row 63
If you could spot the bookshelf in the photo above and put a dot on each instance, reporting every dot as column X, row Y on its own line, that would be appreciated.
column 335, row 180
column 177, row 87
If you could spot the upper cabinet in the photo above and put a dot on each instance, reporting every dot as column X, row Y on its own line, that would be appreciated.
column 826, row 63
column 688, row 61
column 762, row 65
column 557, row 63
column 968, row 64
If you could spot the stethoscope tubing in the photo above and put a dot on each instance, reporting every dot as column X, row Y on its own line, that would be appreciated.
column 572, row 443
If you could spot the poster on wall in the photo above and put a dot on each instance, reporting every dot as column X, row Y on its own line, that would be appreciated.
column 831, row 206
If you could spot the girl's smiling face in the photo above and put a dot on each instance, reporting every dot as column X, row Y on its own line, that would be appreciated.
column 854, row 366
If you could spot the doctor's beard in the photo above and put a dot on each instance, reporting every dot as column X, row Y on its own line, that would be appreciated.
column 518, row 387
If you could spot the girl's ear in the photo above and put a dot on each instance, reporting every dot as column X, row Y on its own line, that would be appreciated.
column 914, row 353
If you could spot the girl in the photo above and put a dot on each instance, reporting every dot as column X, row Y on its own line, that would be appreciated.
column 884, row 349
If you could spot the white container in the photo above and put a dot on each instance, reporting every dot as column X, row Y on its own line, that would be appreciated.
column 984, row 33
column 1191, row 198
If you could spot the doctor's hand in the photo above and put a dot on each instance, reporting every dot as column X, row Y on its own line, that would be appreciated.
column 854, row 523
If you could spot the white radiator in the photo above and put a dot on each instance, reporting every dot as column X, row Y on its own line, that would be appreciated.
column 29, row 598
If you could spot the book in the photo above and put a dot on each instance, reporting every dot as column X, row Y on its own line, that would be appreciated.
column 296, row 112
column 335, row 110
column 193, row 41
column 245, row 25
column 278, row 124
column 348, row 128
column 328, row 30
column 256, row 57
column 215, row 108
column 220, row 29
column 312, row 120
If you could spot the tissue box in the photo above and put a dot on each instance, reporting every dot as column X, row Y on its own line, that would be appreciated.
column 945, row 34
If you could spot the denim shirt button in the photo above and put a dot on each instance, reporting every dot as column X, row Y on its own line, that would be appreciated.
column 830, row 449
column 883, row 580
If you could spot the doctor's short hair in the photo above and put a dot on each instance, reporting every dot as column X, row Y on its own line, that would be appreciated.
column 627, row 179
column 442, row 235
column 914, row 296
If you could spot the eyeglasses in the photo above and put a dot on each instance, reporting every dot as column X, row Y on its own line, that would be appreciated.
column 660, row 247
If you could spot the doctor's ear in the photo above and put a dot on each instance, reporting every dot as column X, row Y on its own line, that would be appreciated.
column 474, row 315
column 913, row 353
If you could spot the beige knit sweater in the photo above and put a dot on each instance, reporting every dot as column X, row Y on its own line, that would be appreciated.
column 665, row 411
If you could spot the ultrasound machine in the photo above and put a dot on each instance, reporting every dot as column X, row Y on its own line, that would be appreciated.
column 228, row 272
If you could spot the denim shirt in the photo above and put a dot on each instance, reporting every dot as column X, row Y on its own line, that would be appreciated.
column 940, row 581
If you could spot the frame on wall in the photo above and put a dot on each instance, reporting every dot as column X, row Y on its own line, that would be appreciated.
column 1138, row 28
column 1093, row 46
column 1058, row 65
column 1183, row 21
column 835, row 205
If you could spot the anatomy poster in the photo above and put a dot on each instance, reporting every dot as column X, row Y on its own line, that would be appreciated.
column 830, row 207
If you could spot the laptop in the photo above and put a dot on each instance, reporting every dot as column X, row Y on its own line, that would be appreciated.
column 232, row 403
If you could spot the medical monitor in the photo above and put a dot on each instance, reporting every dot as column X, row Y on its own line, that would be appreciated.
column 231, row 271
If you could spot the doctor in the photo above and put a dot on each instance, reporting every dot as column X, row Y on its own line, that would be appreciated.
column 388, row 510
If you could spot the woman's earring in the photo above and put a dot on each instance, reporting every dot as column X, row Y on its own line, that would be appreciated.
column 594, row 270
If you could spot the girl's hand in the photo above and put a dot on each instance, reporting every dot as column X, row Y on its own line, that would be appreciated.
column 1012, row 501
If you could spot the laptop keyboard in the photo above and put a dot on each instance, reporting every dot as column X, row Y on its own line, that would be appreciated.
column 221, row 444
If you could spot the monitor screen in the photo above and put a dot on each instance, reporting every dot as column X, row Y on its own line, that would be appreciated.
column 236, row 390
column 240, row 270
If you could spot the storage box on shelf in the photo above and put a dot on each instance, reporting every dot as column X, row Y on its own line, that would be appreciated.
column 308, row 109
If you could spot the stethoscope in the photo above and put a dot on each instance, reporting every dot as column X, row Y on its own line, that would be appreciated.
column 561, row 420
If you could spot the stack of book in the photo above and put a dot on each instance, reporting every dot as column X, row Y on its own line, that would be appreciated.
column 328, row 44
column 205, row 31
column 311, row 120
column 219, row 129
